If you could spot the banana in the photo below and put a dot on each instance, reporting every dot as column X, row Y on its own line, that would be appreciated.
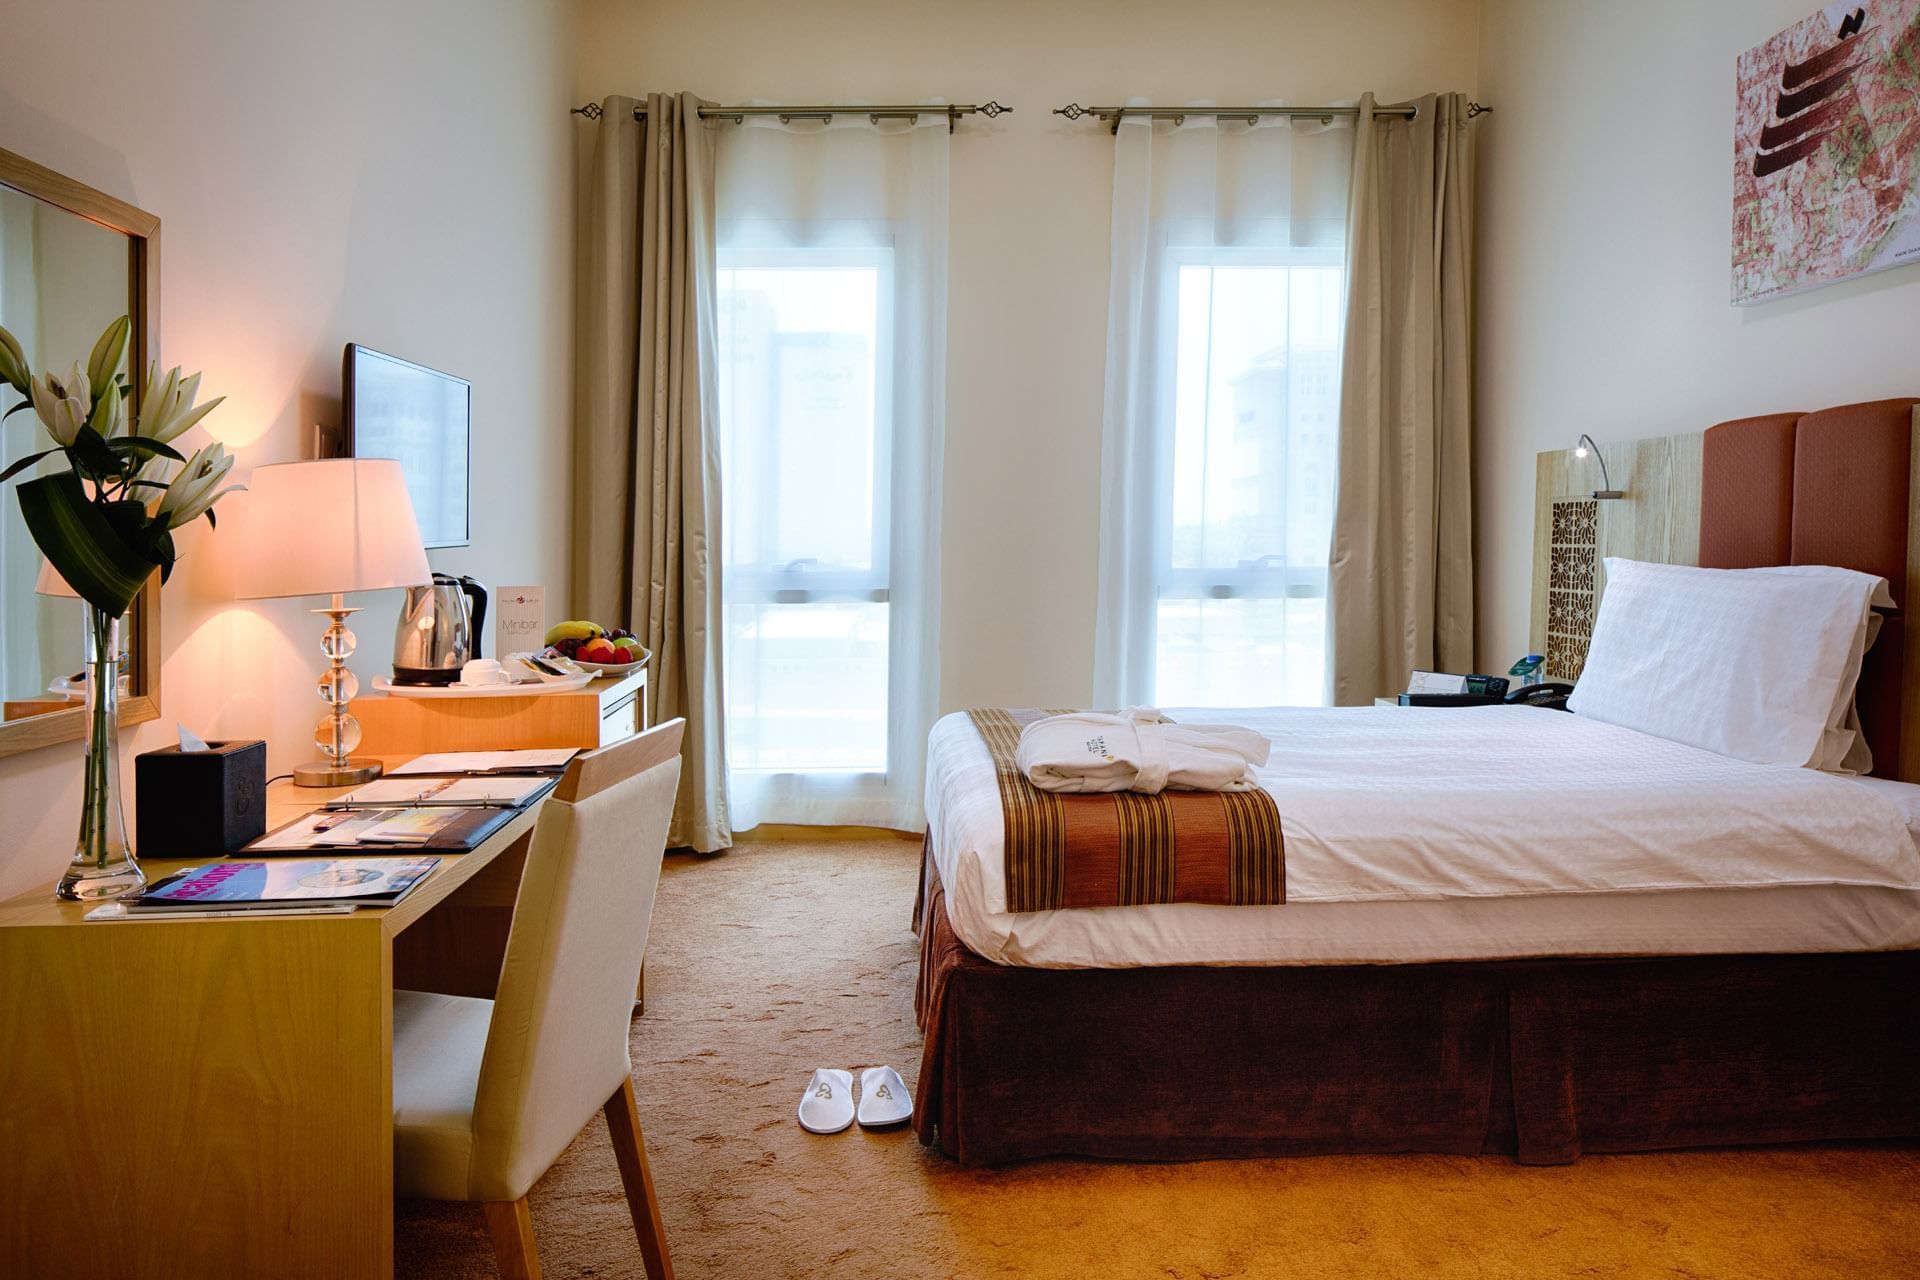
column 574, row 631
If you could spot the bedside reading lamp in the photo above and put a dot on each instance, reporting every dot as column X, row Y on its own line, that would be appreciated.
column 322, row 529
column 1587, row 446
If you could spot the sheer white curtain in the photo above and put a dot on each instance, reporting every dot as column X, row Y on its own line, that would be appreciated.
column 1222, row 404
column 832, row 323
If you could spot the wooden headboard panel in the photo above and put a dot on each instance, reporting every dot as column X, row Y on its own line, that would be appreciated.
column 1834, row 487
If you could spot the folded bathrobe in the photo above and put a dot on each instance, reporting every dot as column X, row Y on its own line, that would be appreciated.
column 1138, row 750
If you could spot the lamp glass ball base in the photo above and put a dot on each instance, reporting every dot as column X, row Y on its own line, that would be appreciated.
column 339, row 733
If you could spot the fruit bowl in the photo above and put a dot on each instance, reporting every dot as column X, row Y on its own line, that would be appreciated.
column 613, row 668
column 592, row 647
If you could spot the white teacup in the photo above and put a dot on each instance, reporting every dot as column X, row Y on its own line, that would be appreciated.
column 484, row 671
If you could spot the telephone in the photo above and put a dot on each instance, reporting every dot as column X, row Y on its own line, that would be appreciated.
column 1550, row 694
column 1438, row 689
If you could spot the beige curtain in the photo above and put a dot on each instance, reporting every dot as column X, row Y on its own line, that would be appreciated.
column 646, row 486
column 1401, row 570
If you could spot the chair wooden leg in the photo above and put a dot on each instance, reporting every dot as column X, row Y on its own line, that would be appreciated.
column 623, row 1121
column 511, row 1227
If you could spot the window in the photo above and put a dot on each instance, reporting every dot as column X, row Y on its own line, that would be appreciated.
column 1218, row 441
column 804, row 361
column 1247, row 504
column 830, row 301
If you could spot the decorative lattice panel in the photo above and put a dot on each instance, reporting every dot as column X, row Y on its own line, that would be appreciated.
column 1570, row 586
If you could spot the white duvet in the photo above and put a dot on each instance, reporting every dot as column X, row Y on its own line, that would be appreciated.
column 1457, row 807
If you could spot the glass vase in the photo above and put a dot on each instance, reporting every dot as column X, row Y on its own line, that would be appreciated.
column 103, row 865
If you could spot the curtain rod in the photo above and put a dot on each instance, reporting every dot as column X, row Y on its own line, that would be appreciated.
column 1113, row 115
column 788, row 115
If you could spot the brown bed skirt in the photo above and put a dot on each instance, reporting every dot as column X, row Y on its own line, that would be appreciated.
column 1542, row 1059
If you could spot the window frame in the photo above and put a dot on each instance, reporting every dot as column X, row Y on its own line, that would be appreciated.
column 1247, row 579
column 802, row 581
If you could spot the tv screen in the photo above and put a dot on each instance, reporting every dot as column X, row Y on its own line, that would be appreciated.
column 423, row 418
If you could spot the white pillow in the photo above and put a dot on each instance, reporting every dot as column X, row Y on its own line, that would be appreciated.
column 1758, row 664
column 1844, row 747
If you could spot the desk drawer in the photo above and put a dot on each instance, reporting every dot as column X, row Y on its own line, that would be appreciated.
column 620, row 721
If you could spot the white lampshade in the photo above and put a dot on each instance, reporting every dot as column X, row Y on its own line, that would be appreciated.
column 50, row 583
column 338, row 524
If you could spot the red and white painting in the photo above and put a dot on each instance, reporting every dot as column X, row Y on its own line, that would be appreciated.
column 1826, row 150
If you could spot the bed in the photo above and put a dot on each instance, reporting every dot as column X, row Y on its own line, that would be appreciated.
column 1596, row 940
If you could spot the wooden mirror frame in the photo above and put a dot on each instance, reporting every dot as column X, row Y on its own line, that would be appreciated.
column 142, row 230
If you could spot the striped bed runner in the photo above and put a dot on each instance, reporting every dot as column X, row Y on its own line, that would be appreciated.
column 1122, row 849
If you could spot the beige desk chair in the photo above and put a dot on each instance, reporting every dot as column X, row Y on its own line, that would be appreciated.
column 488, row 1093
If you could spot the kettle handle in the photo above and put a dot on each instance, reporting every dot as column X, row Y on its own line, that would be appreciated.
column 477, row 595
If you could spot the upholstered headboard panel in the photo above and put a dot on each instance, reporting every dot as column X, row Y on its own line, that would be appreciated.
column 1746, row 510
column 1831, row 487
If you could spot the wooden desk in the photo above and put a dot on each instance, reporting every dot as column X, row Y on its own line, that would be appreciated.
column 215, row 1098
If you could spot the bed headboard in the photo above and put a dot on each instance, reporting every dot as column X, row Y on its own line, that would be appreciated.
column 1834, row 487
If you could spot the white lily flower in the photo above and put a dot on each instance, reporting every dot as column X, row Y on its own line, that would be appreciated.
column 167, row 410
column 108, row 412
column 63, row 402
column 104, row 363
column 196, row 488
column 13, row 363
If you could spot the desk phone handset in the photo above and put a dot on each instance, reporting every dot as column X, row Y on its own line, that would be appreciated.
column 1550, row 694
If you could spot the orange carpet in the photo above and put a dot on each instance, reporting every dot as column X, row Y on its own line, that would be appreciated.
column 776, row 958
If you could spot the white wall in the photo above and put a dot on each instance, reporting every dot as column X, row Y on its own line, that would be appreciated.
column 1606, row 202
column 1030, row 209
column 394, row 174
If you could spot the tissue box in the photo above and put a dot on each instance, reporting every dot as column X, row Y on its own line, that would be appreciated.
column 199, row 804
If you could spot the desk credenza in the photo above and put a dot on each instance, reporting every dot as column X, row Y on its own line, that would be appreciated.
column 215, row 1098
column 609, row 709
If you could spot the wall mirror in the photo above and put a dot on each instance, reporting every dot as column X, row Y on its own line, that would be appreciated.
column 71, row 259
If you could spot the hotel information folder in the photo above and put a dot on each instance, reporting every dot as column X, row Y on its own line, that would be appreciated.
column 240, row 886
column 454, row 828
column 512, row 791
column 479, row 762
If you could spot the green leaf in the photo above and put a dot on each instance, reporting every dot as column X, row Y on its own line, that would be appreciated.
column 82, row 543
column 23, row 464
column 128, row 516
column 24, row 404
column 145, row 446
column 89, row 449
column 165, row 552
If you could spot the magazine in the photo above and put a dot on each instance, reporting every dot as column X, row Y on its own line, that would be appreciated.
column 237, row 886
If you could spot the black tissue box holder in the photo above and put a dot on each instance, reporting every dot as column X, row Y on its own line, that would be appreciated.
column 194, row 804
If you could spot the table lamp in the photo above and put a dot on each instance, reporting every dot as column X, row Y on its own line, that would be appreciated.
column 325, row 528
column 50, row 583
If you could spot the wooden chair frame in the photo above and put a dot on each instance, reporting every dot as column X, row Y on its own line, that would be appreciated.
column 509, row 1222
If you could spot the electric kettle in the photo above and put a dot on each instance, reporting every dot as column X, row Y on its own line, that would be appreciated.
column 439, row 631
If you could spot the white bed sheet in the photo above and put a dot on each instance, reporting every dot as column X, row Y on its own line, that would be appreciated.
column 1493, row 832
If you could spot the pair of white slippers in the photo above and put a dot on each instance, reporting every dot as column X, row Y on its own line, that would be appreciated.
column 827, row 1105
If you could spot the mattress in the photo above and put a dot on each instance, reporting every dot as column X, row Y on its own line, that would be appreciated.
column 1435, row 834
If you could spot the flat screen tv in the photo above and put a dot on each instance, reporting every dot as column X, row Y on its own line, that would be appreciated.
column 424, row 419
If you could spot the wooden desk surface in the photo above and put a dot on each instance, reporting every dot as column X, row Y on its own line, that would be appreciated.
column 285, row 802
